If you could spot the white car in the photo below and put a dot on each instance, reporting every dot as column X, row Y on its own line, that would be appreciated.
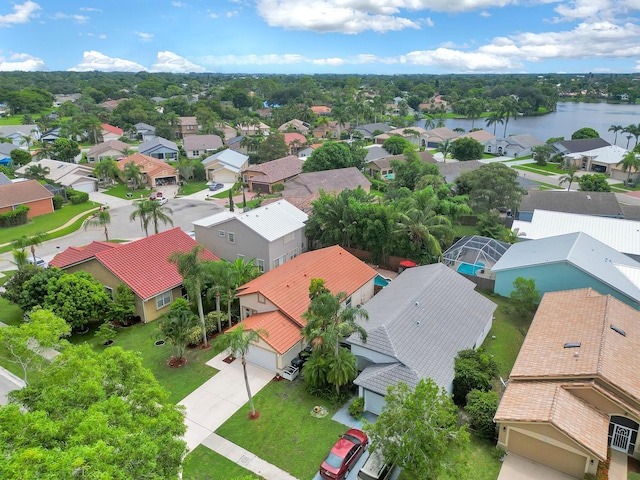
column 39, row 262
column 163, row 200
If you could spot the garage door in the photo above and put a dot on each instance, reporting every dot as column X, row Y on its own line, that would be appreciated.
column 262, row 358
column 87, row 187
column 547, row 454
column 224, row 176
column 373, row 402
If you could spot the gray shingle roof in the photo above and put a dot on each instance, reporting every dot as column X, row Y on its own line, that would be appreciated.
column 151, row 144
column 586, row 203
column 580, row 145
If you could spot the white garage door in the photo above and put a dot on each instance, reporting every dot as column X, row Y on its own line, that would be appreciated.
column 373, row 402
column 224, row 176
column 87, row 187
column 262, row 358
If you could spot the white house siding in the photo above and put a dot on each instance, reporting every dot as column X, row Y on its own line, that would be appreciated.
column 373, row 402
column 263, row 356
column 294, row 247
column 363, row 294
column 247, row 242
column 251, row 302
column 286, row 358
column 87, row 187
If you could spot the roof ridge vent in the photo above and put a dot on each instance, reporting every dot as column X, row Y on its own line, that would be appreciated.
column 618, row 330
column 572, row 345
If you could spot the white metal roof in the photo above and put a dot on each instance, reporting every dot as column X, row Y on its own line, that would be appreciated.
column 215, row 219
column 621, row 235
column 610, row 155
column 274, row 220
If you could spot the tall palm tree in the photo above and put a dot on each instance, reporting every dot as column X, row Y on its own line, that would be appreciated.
column 494, row 119
column 340, row 115
column 159, row 214
column 508, row 109
column 475, row 110
column 31, row 241
column 630, row 162
column 616, row 129
column 107, row 168
column 195, row 272
column 43, row 149
column 141, row 212
column 445, row 147
column 28, row 139
column 238, row 341
column 240, row 272
column 569, row 178
column 176, row 324
column 102, row 219
column 132, row 173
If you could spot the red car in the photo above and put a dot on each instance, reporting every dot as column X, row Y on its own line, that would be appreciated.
column 344, row 454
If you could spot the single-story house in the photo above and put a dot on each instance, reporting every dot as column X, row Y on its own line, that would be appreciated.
column 513, row 146
column 569, row 261
column 295, row 124
column 17, row 133
column 225, row 166
column 30, row 193
column 262, row 177
column 250, row 129
column 111, row 148
column 426, row 138
column 4, row 180
column 51, row 135
column 328, row 181
column 187, row 126
column 112, row 104
column 619, row 234
column 109, row 132
column 375, row 152
column 6, row 149
column 601, row 160
column 367, row 130
column 142, row 265
column 295, row 141
column 145, row 132
column 417, row 325
column 274, row 302
column 601, row 204
column 306, row 152
column 159, row 148
column 155, row 172
column 451, row 170
column 566, row 147
column 228, row 130
column 71, row 175
column 481, row 136
column 574, row 391
column 196, row 145
column 383, row 167
column 321, row 110
column 271, row 234
column 330, row 130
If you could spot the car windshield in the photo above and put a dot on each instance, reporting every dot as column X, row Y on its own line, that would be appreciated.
column 352, row 439
column 333, row 460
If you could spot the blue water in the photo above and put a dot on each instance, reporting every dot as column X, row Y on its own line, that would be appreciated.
column 469, row 269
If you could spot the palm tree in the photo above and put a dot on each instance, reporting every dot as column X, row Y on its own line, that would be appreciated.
column 630, row 162
column 142, row 212
column 239, row 273
column 219, row 274
column 195, row 272
column 494, row 119
column 159, row 214
column 508, row 109
column 28, row 139
column 36, row 172
column 132, row 173
column 475, row 110
column 616, row 129
column 445, row 147
column 43, row 149
column 107, row 168
column 569, row 178
column 237, row 341
column 20, row 256
column 176, row 325
column 185, row 168
column 30, row 241
column 102, row 219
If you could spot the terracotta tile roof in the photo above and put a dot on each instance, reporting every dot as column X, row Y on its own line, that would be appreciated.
column 144, row 266
column 73, row 255
column 152, row 167
column 320, row 109
column 291, row 137
column 275, row 170
column 282, row 332
column 20, row 193
column 287, row 286
column 112, row 129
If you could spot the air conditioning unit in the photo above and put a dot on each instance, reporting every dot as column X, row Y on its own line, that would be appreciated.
column 290, row 372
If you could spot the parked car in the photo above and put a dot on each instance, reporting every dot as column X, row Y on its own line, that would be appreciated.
column 156, row 196
column 162, row 200
column 344, row 454
column 216, row 186
column 39, row 262
column 376, row 468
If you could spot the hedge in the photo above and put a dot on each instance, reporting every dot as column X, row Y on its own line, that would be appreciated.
column 58, row 201
column 15, row 217
column 77, row 197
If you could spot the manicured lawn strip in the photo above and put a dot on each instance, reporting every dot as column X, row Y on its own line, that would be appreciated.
column 10, row 313
column 633, row 476
column 179, row 382
column 623, row 188
column 192, row 187
column 205, row 464
column 532, row 170
column 6, row 275
column 549, row 167
column 120, row 190
column 549, row 186
column 285, row 434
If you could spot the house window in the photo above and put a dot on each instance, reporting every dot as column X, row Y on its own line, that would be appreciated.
column 289, row 237
column 347, row 304
column 163, row 300
column 195, row 153
column 293, row 253
column 183, row 293
column 261, row 298
column 222, row 233
column 231, row 237
column 109, row 292
column 248, row 312
column 240, row 256
column 279, row 261
column 189, row 127
column 260, row 264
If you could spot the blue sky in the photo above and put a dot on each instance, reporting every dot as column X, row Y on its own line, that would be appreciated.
column 322, row 36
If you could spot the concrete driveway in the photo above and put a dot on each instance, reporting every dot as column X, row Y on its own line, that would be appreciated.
column 515, row 467
column 8, row 383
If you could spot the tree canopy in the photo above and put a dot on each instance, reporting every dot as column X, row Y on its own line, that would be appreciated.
column 490, row 187
column 596, row 182
column 329, row 156
column 465, row 149
column 585, row 132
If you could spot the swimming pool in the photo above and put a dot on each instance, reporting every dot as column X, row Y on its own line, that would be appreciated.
column 469, row 269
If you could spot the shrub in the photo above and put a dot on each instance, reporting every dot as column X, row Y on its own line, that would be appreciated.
column 379, row 185
column 15, row 217
column 58, row 201
column 278, row 187
column 211, row 324
column 481, row 408
column 474, row 370
column 77, row 197
column 356, row 409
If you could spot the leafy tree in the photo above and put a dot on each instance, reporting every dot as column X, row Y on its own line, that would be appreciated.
column 103, row 219
column 417, row 430
column 467, row 148
column 630, row 162
column 445, row 148
column 474, row 370
column 13, row 286
column 272, row 147
column 132, row 173
column 541, row 154
column 492, row 186
column 237, row 341
column 20, row 258
column 596, row 182
column 64, row 149
column 481, row 408
column 19, row 157
column 36, row 172
column 525, row 297
column 585, row 132
column 396, row 144
column 34, row 289
column 490, row 225
column 107, row 168
column 95, row 415
column 24, row 344
column 330, row 156
column 407, row 174
column 124, row 303
column 78, row 298
column 176, row 325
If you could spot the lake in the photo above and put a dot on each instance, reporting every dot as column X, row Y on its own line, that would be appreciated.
column 569, row 117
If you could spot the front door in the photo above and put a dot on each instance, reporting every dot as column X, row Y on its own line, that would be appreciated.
column 621, row 438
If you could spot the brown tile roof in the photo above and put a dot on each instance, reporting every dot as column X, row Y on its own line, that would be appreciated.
column 275, row 170
column 73, row 255
column 290, row 137
column 479, row 135
column 144, row 264
column 287, row 286
column 188, row 121
column 282, row 333
column 320, row 109
column 385, row 162
column 20, row 193
column 112, row 129
column 108, row 145
column 152, row 167
column 327, row 180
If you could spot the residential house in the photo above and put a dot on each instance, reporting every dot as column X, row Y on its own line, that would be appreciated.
column 274, row 302
column 424, row 138
column 369, row 130
column 159, row 148
column 328, row 181
column 111, row 105
column 262, row 177
column 566, row 147
column 225, row 166
column 565, row 262
column 4, row 180
column 295, row 125
column 145, row 132
column 330, row 130
column 154, row 172
column 417, row 325
column 142, row 265
column 196, row 145
column 109, row 149
column 5, row 151
column 574, row 391
column 77, row 176
column 474, row 255
column 306, row 152
column 383, row 167
column 601, row 204
column 451, row 170
column 321, row 110
column 228, row 131
column 295, row 141
column 16, row 134
column 601, row 160
column 619, row 234
column 513, row 146
column 109, row 132
column 237, row 145
column 52, row 135
column 188, row 126
column 250, row 129
column 481, row 136
column 59, row 99
column 271, row 234
column 30, row 193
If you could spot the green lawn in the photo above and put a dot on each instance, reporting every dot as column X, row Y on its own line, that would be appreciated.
column 10, row 313
column 44, row 223
column 5, row 276
column 549, row 186
column 464, row 230
column 633, row 476
column 205, row 464
column 285, row 434
column 549, row 167
column 624, row 188
column 192, row 187
column 179, row 382
column 532, row 170
column 120, row 190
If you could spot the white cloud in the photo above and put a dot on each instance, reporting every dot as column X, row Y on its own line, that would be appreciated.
column 22, row 14
column 90, row 9
column 179, row 4
column 145, row 37
column 582, row 9
column 22, row 62
column 173, row 63
column 64, row 16
column 101, row 36
column 457, row 61
column 428, row 22
column 329, row 61
column 485, row 14
column 231, row 14
column 92, row 60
